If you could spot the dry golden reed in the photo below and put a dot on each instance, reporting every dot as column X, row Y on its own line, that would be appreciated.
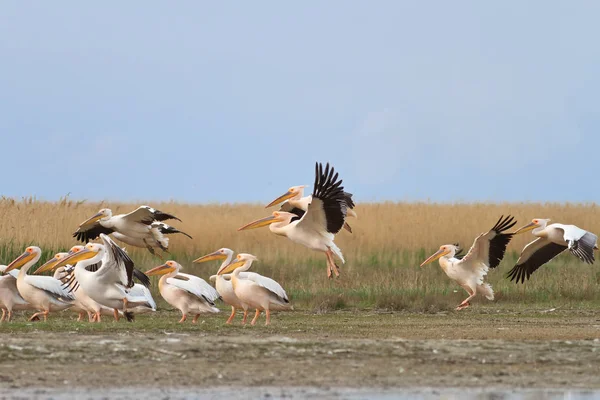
column 382, row 255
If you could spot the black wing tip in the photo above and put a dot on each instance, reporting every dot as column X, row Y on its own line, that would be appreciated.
column 504, row 224
column 130, row 316
column 142, row 277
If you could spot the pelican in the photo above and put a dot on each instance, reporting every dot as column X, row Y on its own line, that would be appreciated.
column 44, row 293
column 110, row 284
column 255, row 291
column 323, row 219
column 191, row 295
column 295, row 202
column 163, row 228
column 486, row 252
column 135, row 228
column 551, row 240
column 10, row 299
column 223, row 282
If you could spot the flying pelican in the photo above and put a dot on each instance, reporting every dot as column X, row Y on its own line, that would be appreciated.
column 163, row 228
column 223, row 282
column 44, row 293
column 295, row 202
column 110, row 284
column 191, row 295
column 256, row 291
column 324, row 218
column 469, row 272
column 551, row 240
column 137, row 225
column 10, row 299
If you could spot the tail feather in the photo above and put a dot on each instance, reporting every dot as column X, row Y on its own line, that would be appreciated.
column 487, row 291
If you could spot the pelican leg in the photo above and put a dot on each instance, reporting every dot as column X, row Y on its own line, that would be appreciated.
column 10, row 314
column 465, row 302
column 245, row 316
column 230, row 319
column 91, row 317
column 80, row 316
column 97, row 316
column 332, row 265
column 45, row 314
column 151, row 249
column 195, row 318
column 35, row 317
column 125, row 303
column 268, row 314
column 116, row 314
column 3, row 315
column 255, row 317
column 183, row 318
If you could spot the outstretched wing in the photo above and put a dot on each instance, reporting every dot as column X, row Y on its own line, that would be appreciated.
column 582, row 242
column 489, row 248
column 533, row 256
column 117, row 266
column 168, row 229
column 90, row 232
column 146, row 215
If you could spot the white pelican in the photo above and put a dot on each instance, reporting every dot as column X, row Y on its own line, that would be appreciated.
column 110, row 284
column 192, row 295
column 223, row 282
column 469, row 272
column 324, row 218
column 254, row 290
column 295, row 202
column 551, row 240
column 10, row 299
column 163, row 228
column 44, row 293
column 137, row 225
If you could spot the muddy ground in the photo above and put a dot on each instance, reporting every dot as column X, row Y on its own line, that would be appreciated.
column 538, row 348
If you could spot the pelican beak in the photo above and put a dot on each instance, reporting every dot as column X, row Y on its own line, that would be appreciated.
column 20, row 261
column 48, row 266
column 230, row 268
column 435, row 256
column 525, row 228
column 261, row 222
column 160, row 270
column 217, row 255
column 92, row 219
column 73, row 258
column 287, row 195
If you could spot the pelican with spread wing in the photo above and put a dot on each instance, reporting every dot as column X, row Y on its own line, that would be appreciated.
column 188, row 293
column 44, row 293
column 551, row 240
column 140, row 228
column 469, row 272
column 323, row 219
column 254, row 290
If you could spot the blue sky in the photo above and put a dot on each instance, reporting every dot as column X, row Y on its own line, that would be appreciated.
column 205, row 101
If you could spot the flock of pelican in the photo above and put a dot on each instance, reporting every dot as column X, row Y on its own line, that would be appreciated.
column 98, row 278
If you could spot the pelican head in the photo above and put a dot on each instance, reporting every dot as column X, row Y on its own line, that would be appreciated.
column 293, row 193
column 242, row 260
column 51, row 263
column 77, row 254
column 447, row 250
column 220, row 254
column 535, row 223
column 102, row 215
column 278, row 216
column 31, row 255
column 164, row 269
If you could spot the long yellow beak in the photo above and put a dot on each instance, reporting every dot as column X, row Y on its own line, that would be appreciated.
column 287, row 195
column 260, row 223
column 20, row 261
column 48, row 266
column 92, row 219
column 529, row 227
column 84, row 254
column 438, row 254
column 230, row 268
column 217, row 255
column 160, row 270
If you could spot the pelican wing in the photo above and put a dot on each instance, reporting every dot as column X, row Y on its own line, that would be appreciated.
column 196, row 286
column 582, row 242
column 90, row 232
column 146, row 215
column 138, row 290
column 533, row 256
column 489, row 248
column 49, row 285
column 14, row 273
column 267, row 283
column 287, row 207
column 116, row 266
column 167, row 229
column 327, row 209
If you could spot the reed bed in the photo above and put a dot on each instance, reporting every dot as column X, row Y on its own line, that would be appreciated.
column 382, row 255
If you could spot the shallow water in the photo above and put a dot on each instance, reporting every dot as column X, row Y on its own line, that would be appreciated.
column 273, row 393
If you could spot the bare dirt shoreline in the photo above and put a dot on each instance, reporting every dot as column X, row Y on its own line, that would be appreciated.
column 346, row 350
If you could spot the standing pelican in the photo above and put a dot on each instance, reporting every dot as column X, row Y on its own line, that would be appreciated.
column 256, row 291
column 295, row 202
column 135, row 228
column 190, row 295
column 10, row 299
column 323, row 219
column 551, row 240
column 469, row 272
column 109, row 285
column 44, row 293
